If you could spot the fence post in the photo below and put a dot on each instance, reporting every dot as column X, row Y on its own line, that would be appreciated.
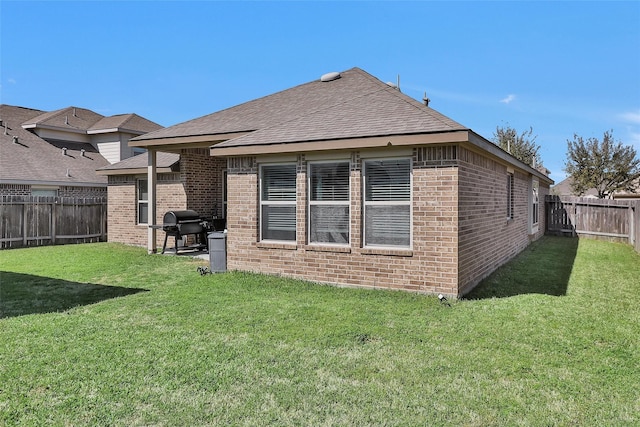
column 632, row 231
column 54, row 214
column 24, row 223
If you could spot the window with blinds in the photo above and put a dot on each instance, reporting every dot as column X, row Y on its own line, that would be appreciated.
column 278, row 202
column 510, row 201
column 387, row 202
column 329, row 202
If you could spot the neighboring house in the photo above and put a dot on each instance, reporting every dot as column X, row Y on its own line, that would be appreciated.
column 346, row 180
column 563, row 188
column 57, row 153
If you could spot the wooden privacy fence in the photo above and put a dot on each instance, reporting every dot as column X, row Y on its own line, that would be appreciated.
column 614, row 220
column 36, row 221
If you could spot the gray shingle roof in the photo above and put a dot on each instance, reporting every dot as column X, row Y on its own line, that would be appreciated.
column 67, row 118
column 34, row 159
column 129, row 122
column 355, row 105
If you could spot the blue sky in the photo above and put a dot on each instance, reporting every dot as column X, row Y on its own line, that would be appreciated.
column 559, row 67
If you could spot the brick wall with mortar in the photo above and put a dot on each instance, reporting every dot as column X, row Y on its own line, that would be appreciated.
column 198, row 186
column 122, row 215
column 202, row 176
column 63, row 191
column 487, row 238
column 430, row 266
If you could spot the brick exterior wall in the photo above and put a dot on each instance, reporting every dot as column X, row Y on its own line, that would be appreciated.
column 430, row 266
column 198, row 186
column 15, row 190
column 460, row 231
column 63, row 191
column 122, row 213
column 202, row 176
column 487, row 239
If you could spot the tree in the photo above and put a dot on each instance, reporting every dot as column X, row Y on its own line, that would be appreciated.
column 521, row 146
column 606, row 166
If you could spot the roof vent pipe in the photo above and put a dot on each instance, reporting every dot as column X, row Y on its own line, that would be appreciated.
column 15, row 139
column 68, row 175
column 66, row 120
column 5, row 129
column 74, row 112
column 64, row 151
column 82, row 153
column 425, row 99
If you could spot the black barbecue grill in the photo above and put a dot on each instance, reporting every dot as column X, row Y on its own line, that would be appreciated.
column 183, row 223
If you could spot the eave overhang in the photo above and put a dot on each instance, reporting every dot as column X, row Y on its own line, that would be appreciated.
column 178, row 142
column 28, row 126
column 456, row 136
column 114, row 130
column 132, row 171
column 467, row 137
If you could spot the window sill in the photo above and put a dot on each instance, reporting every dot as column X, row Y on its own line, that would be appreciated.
column 387, row 251
column 327, row 248
column 290, row 246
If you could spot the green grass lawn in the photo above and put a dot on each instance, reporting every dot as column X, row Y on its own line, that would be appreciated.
column 103, row 334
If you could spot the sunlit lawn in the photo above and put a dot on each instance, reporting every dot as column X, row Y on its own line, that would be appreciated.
column 103, row 334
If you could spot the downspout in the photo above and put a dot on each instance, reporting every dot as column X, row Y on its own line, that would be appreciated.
column 151, row 182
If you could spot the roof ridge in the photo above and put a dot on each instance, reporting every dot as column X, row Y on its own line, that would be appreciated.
column 328, row 107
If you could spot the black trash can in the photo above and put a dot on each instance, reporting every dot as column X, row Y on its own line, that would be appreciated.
column 217, row 251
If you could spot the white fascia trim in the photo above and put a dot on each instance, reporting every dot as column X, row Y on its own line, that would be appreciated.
column 62, row 129
column 115, row 130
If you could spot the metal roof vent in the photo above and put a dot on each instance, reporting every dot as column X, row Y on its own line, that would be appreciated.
column 64, row 151
column 329, row 77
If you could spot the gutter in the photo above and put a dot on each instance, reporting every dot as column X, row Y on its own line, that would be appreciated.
column 53, row 183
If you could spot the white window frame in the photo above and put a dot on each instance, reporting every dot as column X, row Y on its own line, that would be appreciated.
column 535, row 205
column 311, row 202
column 224, row 193
column 264, row 203
column 140, row 201
column 366, row 204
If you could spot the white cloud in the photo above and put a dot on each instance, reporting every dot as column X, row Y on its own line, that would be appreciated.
column 634, row 139
column 631, row 116
column 508, row 99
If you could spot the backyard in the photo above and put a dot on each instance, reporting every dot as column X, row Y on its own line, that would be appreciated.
column 104, row 334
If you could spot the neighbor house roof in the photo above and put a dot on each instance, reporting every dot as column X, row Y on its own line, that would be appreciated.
column 563, row 188
column 165, row 162
column 25, row 158
column 82, row 120
column 130, row 123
